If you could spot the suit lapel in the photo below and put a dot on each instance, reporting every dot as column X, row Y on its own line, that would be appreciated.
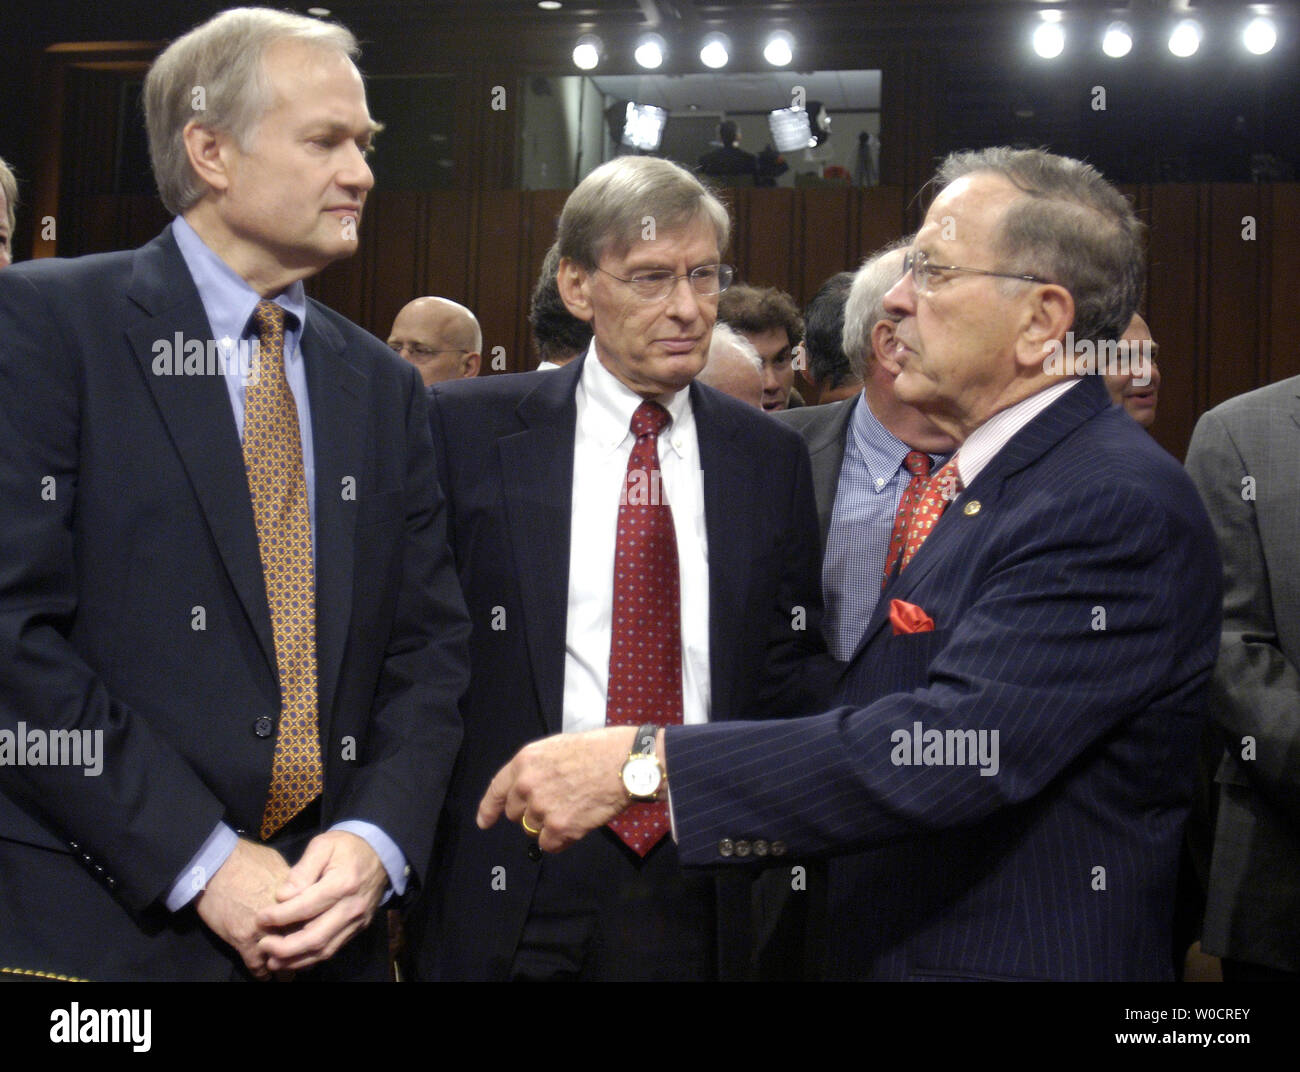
column 336, row 389
column 826, row 452
column 537, row 485
column 193, row 407
column 957, row 525
column 732, row 478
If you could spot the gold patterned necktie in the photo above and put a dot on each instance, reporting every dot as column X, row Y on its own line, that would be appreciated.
column 278, row 486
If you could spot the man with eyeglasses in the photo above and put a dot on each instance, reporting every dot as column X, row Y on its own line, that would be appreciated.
column 441, row 338
column 1003, row 782
column 636, row 549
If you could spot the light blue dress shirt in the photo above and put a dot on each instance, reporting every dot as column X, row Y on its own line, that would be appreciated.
column 229, row 303
column 871, row 485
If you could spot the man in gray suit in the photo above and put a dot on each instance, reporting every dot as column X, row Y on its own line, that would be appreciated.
column 1243, row 461
column 861, row 449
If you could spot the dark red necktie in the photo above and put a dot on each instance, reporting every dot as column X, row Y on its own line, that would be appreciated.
column 645, row 654
column 918, row 464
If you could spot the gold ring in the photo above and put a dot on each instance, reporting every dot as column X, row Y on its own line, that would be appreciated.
column 523, row 821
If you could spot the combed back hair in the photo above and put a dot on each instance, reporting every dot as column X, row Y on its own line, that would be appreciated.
column 631, row 197
column 224, row 59
column 823, row 331
column 759, row 309
column 557, row 333
column 727, row 132
column 866, row 302
column 9, row 186
column 1072, row 228
column 725, row 338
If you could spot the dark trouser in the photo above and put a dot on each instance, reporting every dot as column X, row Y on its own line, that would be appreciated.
column 600, row 913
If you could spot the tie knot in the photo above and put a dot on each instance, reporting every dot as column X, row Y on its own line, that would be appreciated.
column 917, row 463
column 650, row 418
column 269, row 320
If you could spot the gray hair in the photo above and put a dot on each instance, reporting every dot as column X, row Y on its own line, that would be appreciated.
column 9, row 187
column 726, row 337
column 1072, row 227
column 865, row 305
column 222, row 59
column 625, row 198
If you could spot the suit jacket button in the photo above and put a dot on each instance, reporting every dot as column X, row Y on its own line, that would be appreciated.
column 760, row 847
column 263, row 726
column 534, row 851
column 742, row 848
column 726, row 847
column 778, row 848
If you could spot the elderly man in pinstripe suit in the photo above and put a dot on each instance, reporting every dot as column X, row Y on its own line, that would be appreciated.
column 1004, row 783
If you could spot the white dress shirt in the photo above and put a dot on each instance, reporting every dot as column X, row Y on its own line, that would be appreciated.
column 602, row 444
column 983, row 444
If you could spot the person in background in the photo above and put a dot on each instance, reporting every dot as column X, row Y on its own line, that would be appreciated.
column 769, row 319
column 8, row 217
column 440, row 337
column 734, row 367
column 558, row 335
column 1138, row 399
column 820, row 357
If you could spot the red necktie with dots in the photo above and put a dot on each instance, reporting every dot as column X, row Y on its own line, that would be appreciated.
column 645, row 655
column 918, row 464
column 278, row 486
column 943, row 487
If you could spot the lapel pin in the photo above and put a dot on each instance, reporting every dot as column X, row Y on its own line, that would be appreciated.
column 971, row 508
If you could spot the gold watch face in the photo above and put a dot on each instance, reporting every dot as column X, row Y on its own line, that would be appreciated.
column 641, row 776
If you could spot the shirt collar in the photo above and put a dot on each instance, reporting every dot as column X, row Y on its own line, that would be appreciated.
column 227, row 299
column 881, row 451
column 610, row 403
column 983, row 444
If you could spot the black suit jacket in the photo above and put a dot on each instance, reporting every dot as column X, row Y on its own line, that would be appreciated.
column 132, row 603
column 824, row 429
column 505, row 446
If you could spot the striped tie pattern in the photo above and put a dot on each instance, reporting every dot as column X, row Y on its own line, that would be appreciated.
column 278, row 486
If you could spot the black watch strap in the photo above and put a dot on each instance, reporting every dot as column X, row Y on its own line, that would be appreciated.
column 644, row 744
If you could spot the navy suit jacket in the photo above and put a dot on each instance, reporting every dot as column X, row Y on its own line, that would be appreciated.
column 132, row 603
column 505, row 448
column 1074, row 589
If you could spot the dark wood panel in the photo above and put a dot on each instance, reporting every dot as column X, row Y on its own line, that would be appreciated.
column 1281, row 238
column 500, row 276
column 880, row 219
column 828, row 238
column 1174, row 311
column 765, row 252
column 1232, row 268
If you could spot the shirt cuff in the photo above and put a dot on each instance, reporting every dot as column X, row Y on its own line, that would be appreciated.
column 393, row 859
column 194, row 879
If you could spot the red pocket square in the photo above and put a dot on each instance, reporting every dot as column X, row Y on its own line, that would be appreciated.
column 909, row 618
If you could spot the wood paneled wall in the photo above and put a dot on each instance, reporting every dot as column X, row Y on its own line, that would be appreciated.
column 1223, row 274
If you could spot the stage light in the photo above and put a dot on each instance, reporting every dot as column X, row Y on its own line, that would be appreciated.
column 1118, row 40
column 1259, row 36
column 1185, row 38
column 650, row 50
column 779, row 49
column 1049, row 39
column 586, row 53
column 716, row 50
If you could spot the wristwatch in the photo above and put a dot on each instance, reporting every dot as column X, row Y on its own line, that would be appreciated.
column 643, row 774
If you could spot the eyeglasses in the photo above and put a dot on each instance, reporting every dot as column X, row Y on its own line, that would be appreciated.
column 423, row 352
column 706, row 280
column 923, row 272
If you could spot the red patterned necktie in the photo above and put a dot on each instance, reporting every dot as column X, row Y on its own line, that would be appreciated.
column 278, row 486
column 645, row 654
column 918, row 464
column 943, row 487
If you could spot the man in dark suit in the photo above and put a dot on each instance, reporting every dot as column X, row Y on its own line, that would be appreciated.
column 1006, row 777
column 1242, row 458
column 729, row 163
column 542, row 473
column 224, row 556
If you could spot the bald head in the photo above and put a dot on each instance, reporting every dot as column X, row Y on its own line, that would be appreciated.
column 734, row 366
column 439, row 337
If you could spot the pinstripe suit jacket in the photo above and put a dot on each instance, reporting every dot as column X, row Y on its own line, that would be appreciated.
column 1253, row 908
column 1076, row 615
